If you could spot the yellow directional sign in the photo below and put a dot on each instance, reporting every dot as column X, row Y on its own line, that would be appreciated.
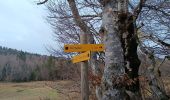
column 83, row 47
column 82, row 57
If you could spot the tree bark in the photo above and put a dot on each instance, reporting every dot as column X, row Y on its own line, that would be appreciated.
column 121, row 50
column 153, row 75
column 129, row 42
column 158, row 92
column 112, row 89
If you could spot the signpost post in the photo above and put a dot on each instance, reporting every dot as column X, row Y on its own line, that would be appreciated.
column 84, row 73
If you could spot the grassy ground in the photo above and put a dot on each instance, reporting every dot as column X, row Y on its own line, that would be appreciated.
column 47, row 90
column 43, row 90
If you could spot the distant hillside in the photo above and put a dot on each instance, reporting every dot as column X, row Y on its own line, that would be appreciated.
column 23, row 66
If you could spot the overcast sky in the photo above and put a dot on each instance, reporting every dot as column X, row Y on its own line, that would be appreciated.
column 23, row 26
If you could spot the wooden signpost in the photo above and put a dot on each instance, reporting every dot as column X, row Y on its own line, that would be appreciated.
column 85, row 50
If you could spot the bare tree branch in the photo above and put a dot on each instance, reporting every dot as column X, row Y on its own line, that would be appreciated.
column 83, row 16
column 77, row 16
column 40, row 3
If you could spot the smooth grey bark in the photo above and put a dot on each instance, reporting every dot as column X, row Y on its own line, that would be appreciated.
column 114, row 71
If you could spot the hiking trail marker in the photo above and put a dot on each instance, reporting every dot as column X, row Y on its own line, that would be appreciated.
column 82, row 57
column 83, row 47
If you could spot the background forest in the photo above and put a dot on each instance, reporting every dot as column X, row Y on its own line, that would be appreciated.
column 23, row 66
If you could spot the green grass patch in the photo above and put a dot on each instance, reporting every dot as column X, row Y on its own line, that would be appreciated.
column 29, row 91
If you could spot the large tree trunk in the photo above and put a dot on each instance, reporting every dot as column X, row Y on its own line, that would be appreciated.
column 120, row 50
column 114, row 71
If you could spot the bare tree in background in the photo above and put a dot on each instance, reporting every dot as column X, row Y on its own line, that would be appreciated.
column 122, row 25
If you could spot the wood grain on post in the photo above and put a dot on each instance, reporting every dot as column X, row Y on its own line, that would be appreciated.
column 84, row 73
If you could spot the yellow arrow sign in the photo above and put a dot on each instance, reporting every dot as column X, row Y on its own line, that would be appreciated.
column 83, row 47
column 82, row 57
